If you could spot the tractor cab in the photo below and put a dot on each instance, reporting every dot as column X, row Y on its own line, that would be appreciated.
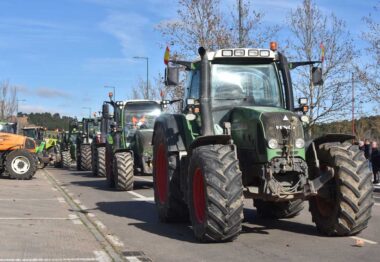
column 38, row 133
column 6, row 127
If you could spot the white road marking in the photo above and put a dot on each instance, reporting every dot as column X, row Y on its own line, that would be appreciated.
column 73, row 216
column 61, row 200
column 115, row 241
column 83, row 207
column 28, row 199
column 100, row 225
column 132, row 259
column 102, row 256
column 365, row 240
column 143, row 178
column 136, row 194
column 77, row 201
column 90, row 214
column 46, row 259
column 34, row 218
column 147, row 199
column 54, row 189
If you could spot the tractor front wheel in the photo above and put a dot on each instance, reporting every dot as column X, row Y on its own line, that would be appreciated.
column 343, row 205
column 123, row 171
column 215, row 193
column 85, row 158
column 66, row 159
column 20, row 164
column 101, row 161
column 166, row 184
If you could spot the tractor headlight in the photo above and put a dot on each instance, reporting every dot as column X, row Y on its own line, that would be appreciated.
column 272, row 143
column 300, row 143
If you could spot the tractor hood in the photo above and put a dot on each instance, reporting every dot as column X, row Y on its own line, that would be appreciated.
column 12, row 142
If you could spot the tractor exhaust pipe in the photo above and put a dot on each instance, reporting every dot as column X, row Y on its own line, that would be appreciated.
column 205, row 100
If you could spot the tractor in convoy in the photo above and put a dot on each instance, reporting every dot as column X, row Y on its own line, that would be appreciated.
column 17, row 156
column 99, row 143
column 240, row 135
column 128, row 147
column 67, row 145
column 45, row 145
column 88, row 128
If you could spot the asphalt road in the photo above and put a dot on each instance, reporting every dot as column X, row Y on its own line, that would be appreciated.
column 131, row 218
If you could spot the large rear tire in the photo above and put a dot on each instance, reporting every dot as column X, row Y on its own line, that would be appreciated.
column 20, row 164
column 278, row 210
column 85, row 158
column 123, row 171
column 343, row 205
column 168, row 196
column 215, row 193
column 66, row 159
column 109, row 166
column 94, row 160
column 101, row 161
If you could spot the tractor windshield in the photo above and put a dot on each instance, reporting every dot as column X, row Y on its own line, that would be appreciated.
column 7, row 128
column 30, row 133
column 246, row 85
column 141, row 116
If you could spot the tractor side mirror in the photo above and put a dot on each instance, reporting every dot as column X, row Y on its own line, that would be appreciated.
column 317, row 76
column 171, row 76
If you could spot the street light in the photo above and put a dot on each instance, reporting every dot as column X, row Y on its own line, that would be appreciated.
column 114, row 92
column 89, row 110
column 147, row 72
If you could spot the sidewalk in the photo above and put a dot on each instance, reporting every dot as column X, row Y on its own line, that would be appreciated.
column 38, row 224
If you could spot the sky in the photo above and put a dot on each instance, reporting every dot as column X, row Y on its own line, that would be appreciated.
column 62, row 53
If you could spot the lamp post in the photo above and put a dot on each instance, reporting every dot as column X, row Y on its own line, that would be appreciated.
column 147, row 72
column 114, row 90
column 89, row 110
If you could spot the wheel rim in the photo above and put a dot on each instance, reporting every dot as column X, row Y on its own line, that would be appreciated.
column 199, row 196
column 161, row 173
column 20, row 165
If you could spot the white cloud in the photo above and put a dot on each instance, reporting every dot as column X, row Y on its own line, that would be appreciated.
column 129, row 29
column 46, row 92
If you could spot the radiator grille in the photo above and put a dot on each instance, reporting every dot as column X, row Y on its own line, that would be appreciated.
column 276, row 124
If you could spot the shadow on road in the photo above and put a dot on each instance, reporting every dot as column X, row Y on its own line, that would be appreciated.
column 251, row 218
column 146, row 213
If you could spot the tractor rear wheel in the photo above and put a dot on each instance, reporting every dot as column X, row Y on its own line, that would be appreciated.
column 20, row 164
column 66, row 159
column 278, row 210
column 94, row 160
column 109, row 169
column 123, row 171
column 215, row 193
column 168, row 196
column 343, row 205
column 85, row 157
column 101, row 161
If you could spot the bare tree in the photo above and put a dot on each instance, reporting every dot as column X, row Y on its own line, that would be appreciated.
column 142, row 92
column 370, row 71
column 310, row 29
column 8, row 100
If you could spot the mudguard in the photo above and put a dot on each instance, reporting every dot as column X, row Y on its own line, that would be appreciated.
column 210, row 140
column 328, row 138
column 175, row 132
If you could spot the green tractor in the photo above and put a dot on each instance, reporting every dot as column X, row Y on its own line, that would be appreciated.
column 99, row 143
column 128, row 148
column 7, row 127
column 88, row 129
column 45, row 145
column 67, row 145
column 240, row 135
